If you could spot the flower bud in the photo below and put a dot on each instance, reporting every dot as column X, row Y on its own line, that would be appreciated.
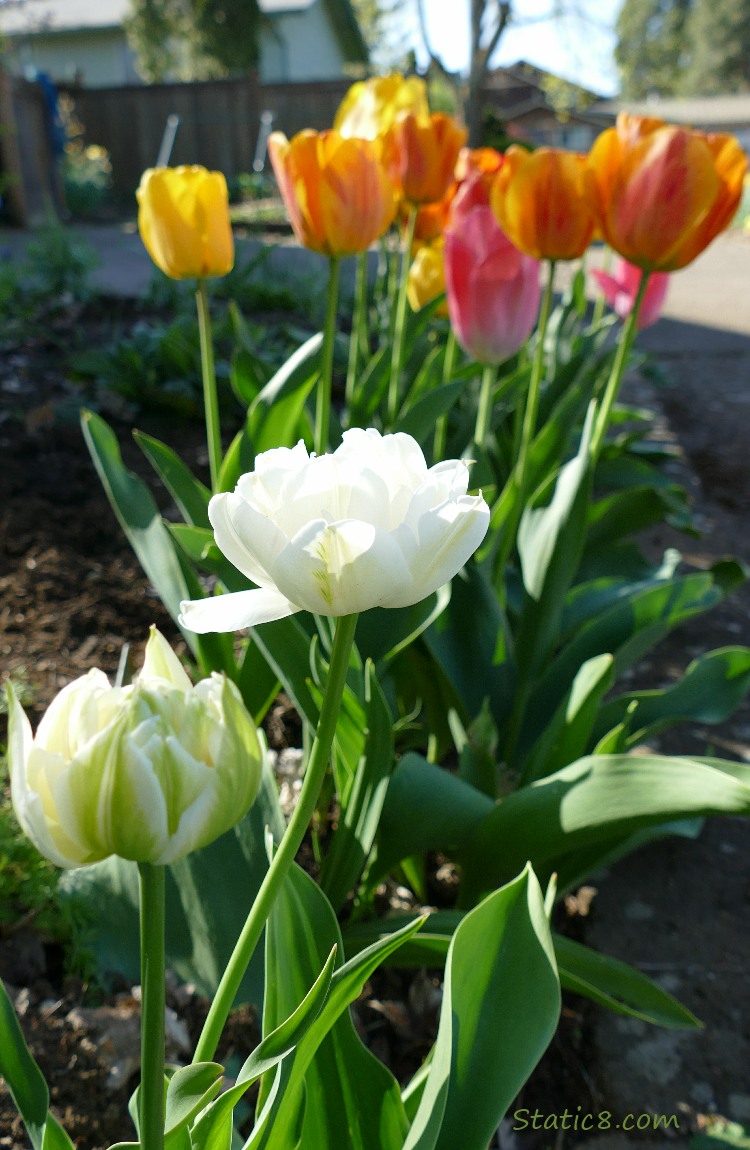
column 148, row 772
column 183, row 218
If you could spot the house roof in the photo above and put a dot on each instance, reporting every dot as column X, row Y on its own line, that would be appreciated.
column 698, row 111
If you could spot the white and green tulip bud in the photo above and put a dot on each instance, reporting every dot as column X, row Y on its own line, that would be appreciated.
column 149, row 772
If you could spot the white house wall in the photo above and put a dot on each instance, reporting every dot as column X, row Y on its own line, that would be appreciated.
column 100, row 59
column 301, row 46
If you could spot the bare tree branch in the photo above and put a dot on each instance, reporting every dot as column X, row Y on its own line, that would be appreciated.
column 434, row 58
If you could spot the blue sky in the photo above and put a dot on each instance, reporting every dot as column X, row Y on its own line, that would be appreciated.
column 577, row 45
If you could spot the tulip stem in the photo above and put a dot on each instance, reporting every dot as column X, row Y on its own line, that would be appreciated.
column 600, row 301
column 289, row 845
column 359, row 337
column 612, row 389
column 484, row 409
column 510, row 513
column 151, row 1095
column 531, row 411
column 441, row 426
column 325, row 383
column 210, row 397
column 400, row 327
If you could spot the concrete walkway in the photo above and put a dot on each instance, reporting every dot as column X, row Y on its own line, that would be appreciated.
column 707, row 308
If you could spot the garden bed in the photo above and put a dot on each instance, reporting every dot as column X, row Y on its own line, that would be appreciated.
column 73, row 595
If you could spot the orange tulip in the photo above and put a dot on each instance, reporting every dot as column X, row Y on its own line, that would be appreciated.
column 660, row 193
column 420, row 153
column 337, row 194
column 539, row 201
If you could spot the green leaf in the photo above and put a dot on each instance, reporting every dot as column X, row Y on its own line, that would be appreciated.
column 419, row 420
column 468, row 642
column 208, row 897
column 566, row 736
column 607, row 981
column 711, row 689
column 190, row 495
column 501, row 1003
column 274, row 415
column 211, row 1130
column 352, row 1100
column 619, row 987
column 26, row 1083
column 449, row 813
column 627, row 630
column 588, row 808
column 190, row 1089
column 383, row 633
column 139, row 518
column 361, row 806
column 285, row 645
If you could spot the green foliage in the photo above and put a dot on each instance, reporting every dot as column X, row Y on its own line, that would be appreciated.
column 193, row 39
column 28, row 882
column 651, row 48
column 718, row 48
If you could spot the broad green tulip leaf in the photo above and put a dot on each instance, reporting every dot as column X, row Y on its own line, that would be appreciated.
column 238, row 459
column 618, row 986
column 190, row 1089
column 370, row 388
column 628, row 631
column 501, row 1003
column 210, row 1131
column 383, row 633
column 208, row 896
column 26, row 1083
column 711, row 689
column 607, row 981
column 468, row 642
column 550, row 543
column 352, row 1100
column 139, row 518
column 199, row 546
column 258, row 684
column 273, row 418
column 566, row 736
column 627, row 512
column 477, row 752
column 591, row 598
column 285, row 645
column 450, row 811
column 419, row 420
column 592, row 806
column 361, row 806
column 190, row 495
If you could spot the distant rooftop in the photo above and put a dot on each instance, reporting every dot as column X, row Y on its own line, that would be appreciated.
column 697, row 111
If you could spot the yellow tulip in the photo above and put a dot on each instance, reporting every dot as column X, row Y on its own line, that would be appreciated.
column 183, row 218
column 370, row 106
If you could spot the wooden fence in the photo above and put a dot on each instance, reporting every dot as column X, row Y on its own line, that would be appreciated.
column 219, row 121
column 28, row 177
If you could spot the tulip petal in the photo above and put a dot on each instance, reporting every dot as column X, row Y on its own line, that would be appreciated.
column 234, row 612
column 238, row 526
column 342, row 568
column 446, row 539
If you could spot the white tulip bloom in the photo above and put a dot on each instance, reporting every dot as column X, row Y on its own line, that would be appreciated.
column 149, row 772
column 367, row 526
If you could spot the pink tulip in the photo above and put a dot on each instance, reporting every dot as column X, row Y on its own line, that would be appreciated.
column 620, row 291
column 492, row 289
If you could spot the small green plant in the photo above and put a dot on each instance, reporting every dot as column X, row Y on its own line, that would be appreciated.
column 59, row 265
column 87, row 177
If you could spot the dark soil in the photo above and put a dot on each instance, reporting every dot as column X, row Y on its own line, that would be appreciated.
column 73, row 595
